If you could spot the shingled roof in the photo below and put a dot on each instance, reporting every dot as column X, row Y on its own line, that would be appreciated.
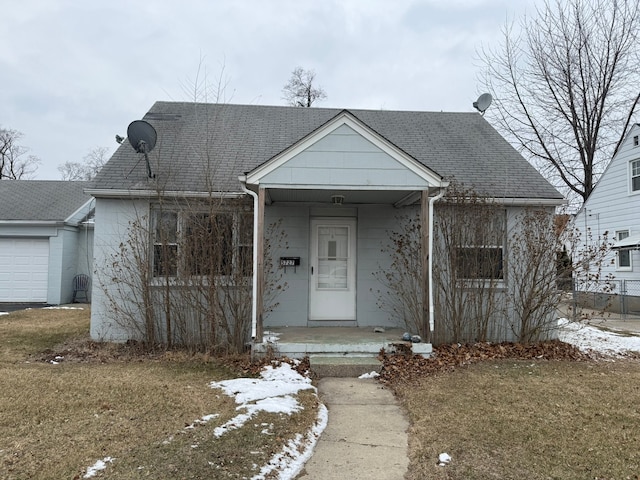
column 41, row 200
column 204, row 147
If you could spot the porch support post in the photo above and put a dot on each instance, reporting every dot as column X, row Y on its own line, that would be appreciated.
column 260, row 265
column 425, row 227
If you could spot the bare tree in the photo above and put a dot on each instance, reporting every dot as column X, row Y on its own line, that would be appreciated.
column 93, row 162
column 300, row 90
column 566, row 87
column 15, row 163
column 204, row 88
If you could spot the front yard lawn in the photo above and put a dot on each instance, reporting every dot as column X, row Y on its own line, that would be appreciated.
column 533, row 419
column 65, row 409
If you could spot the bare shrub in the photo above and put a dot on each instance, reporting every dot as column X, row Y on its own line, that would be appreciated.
column 402, row 283
column 183, row 275
column 468, row 267
column 495, row 270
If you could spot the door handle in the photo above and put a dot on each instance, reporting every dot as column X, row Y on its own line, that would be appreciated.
column 311, row 269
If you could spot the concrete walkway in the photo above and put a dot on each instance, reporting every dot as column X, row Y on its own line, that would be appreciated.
column 366, row 436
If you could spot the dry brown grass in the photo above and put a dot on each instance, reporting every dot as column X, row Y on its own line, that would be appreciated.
column 104, row 401
column 512, row 419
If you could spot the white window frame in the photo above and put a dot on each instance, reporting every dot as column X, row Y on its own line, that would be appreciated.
column 634, row 174
column 498, row 246
column 621, row 235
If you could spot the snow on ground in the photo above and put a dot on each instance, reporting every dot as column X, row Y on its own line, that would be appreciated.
column 588, row 338
column 273, row 393
column 60, row 307
column 96, row 467
column 275, row 389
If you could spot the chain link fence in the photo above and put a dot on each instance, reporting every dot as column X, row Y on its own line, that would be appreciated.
column 614, row 296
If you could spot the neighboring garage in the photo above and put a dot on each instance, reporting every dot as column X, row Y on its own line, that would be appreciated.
column 46, row 239
column 24, row 269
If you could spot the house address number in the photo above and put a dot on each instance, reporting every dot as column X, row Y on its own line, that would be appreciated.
column 289, row 261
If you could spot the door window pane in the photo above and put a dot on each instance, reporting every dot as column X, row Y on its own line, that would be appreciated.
column 333, row 248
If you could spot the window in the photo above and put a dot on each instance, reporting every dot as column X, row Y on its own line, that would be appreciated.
column 623, row 258
column 635, row 176
column 165, row 244
column 481, row 256
column 202, row 243
column 479, row 263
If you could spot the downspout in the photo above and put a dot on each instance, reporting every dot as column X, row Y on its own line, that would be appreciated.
column 254, row 299
column 432, row 200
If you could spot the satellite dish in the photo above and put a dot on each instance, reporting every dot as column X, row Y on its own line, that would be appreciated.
column 142, row 137
column 483, row 102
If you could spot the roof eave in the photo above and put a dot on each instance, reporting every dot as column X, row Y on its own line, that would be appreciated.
column 528, row 202
column 33, row 223
column 129, row 194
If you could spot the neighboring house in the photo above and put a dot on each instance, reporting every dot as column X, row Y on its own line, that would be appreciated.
column 613, row 210
column 335, row 180
column 46, row 238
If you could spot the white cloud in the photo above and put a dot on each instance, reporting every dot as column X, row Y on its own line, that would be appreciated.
column 76, row 73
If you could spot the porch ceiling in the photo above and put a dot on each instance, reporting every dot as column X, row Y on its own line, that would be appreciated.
column 351, row 197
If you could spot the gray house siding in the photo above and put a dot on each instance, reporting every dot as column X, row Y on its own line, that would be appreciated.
column 112, row 229
column 62, row 265
column 84, row 252
column 343, row 158
column 373, row 224
column 293, row 303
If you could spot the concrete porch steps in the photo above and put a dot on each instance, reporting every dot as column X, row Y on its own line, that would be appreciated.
column 343, row 366
column 337, row 351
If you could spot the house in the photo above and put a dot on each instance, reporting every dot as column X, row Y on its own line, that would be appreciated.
column 611, row 214
column 333, row 182
column 46, row 239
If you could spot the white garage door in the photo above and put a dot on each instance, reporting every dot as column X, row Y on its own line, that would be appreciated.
column 24, row 268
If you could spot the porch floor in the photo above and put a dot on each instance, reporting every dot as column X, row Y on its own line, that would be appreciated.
column 298, row 342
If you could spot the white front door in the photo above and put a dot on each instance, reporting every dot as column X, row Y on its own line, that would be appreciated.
column 332, row 276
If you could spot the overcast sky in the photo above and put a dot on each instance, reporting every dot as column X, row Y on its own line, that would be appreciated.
column 74, row 73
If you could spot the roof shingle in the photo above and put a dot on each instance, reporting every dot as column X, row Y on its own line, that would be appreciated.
column 41, row 200
column 204, row 147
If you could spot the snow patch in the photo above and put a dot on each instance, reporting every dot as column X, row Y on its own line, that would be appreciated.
column 444, row 459
column 96, row 467
column 202, row 421
column 270, row 393
column 588, row 338
column 290, row 461
column 58, row 307
column 270, row 337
